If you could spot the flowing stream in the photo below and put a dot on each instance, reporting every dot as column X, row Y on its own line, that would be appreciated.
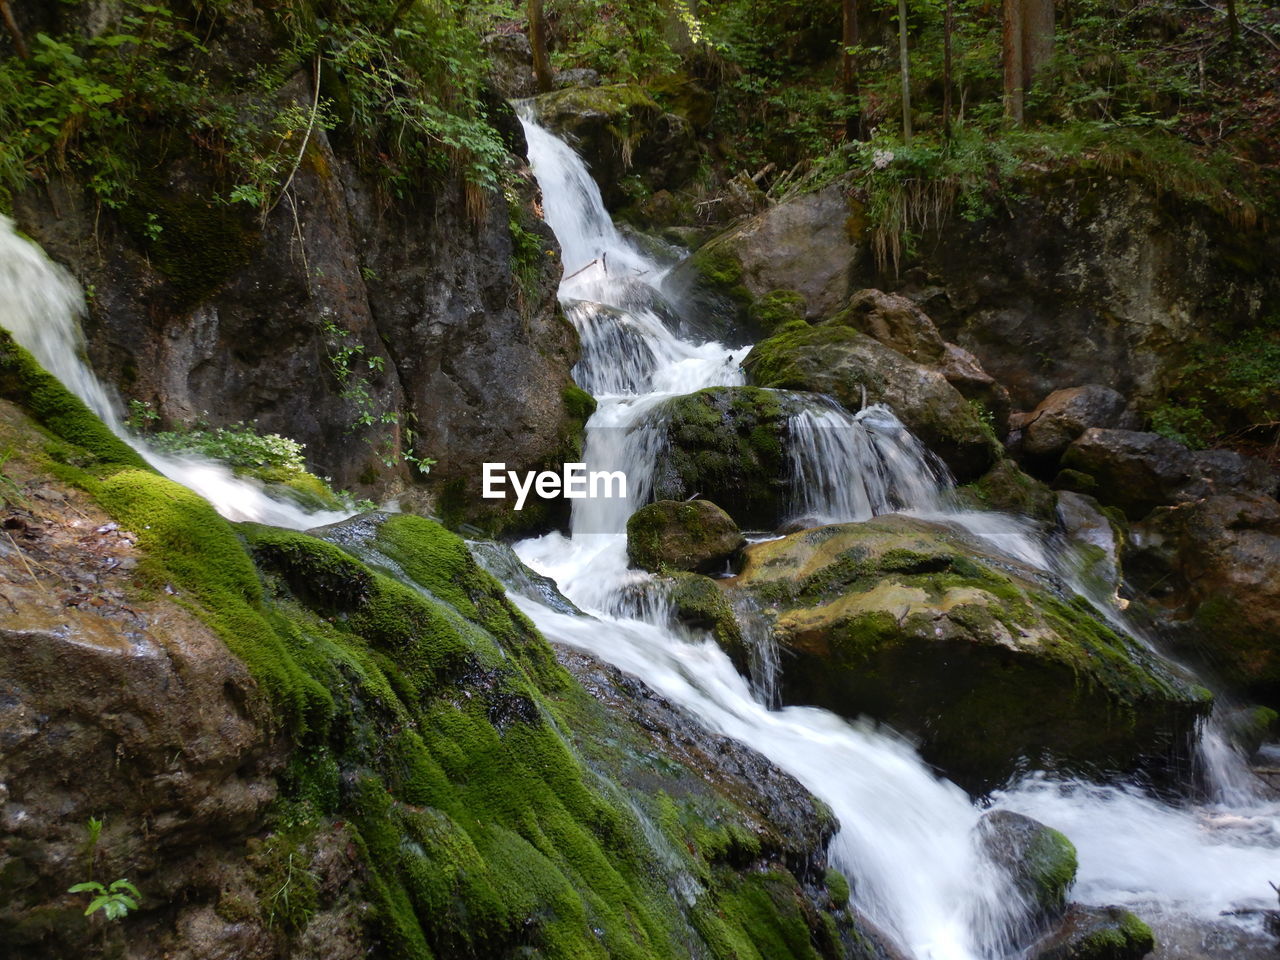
column 41, row 305
column 906, row 836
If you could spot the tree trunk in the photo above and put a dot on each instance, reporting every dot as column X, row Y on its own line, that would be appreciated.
column 849, row 72
column 1011, row 47
column 538, row 41
column 19, row 44
column 948, row 26
column 906, row 71
column 1037, row 38
column 1233, row 23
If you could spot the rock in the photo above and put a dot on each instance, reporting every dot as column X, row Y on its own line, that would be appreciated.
column 1065, row 414
column 510, row 59
column 728, row 445
column 622, row 131
column 1141, row 471
column 1213, row 567
column 776, row 309
column 1040, row 860
column 1005, row 487
column 577, row 77
column 839, row 361
column 1094, row 536
column 699, row 603
column 1097, row 933
column 802, row 245
column 691, row 535
column 223, row 318
column 895, row 321
column 1093, row 279
column 965, row 373
column 913, row 624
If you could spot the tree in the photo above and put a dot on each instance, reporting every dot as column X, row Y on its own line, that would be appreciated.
column 538, row 41
column 1233, row 23
column 906, row 71
column 1027, row 46
column 948, row 28
column 19, row 44
column 849, row 72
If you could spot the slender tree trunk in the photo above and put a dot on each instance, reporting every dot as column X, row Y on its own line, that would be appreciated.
column 19, row 44
column 906, row 71
column 538, row 41
column 1233, row 23
column 849, row 72
column 1037, row 38
column 948, row 26
column 1012, row 54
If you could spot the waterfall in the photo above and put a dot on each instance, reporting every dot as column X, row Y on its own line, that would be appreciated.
column 905, row 836
column 41, row 305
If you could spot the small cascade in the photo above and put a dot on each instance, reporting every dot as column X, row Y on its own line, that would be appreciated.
column 41, row 306
column 854, row 466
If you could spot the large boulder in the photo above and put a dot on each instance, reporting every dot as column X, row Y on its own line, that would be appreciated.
column 1138, row 472
column 693, row 535
column 728, row 445
column 850, row 366
column 899, row 323
column 1005, row 487
column 914, row 624
column 1039, row 860
column 803, row 245
column 1213, row 566
column 1065, row 414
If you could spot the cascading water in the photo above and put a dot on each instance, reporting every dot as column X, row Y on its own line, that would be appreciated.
column 905, row 835
column 40, row 305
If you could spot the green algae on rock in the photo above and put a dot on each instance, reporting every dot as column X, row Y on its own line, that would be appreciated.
column 682, row 535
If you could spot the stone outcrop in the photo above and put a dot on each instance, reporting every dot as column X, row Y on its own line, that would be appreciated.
column 913, row 624
column 850, row 366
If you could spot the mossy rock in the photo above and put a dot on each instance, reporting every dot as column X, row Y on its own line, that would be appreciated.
column 421, row 709
column 1005, row 487
column 1040, row 861
column 915, row 624
column 778, row 310
column 700, row 604
column 852, row 367
column 682, row 535
column 1097, row 933
column 728, row 445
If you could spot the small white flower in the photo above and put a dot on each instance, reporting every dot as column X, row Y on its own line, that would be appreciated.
column 881, row 159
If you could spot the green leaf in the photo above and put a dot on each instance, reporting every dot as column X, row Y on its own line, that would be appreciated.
column 88, row 887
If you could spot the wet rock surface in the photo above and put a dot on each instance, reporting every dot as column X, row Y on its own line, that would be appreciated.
column 850, row 366
column 1097, row 933
column 1039, row 860
column 1065, row 414
column 694, row 535
column 913, row 624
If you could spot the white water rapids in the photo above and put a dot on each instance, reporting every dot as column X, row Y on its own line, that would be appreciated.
column 905, row 835
column 41, row 305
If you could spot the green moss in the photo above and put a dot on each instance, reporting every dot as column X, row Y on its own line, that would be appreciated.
column 50, row 404
column 727, row 445
column 579, row 404
column 778, row 309
column 1051, row 867
column 720, row 270
column 699, row 603
column 1005, row 487
column 837, row 888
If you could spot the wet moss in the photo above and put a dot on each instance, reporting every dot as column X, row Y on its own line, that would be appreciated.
column 54, row 407
column 1051, row 865
column 727, row 445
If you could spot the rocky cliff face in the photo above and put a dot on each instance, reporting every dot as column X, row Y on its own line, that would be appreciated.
column 455, row 344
